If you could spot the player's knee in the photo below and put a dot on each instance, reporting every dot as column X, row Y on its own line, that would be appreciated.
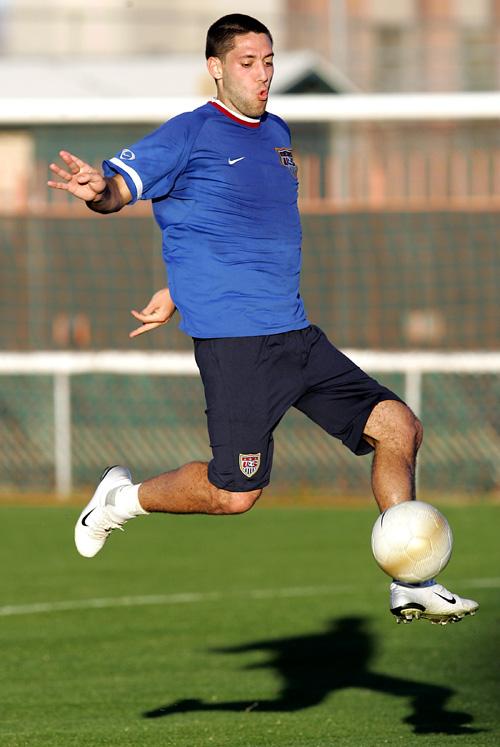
column 419, row 432
column 229, row 502
column 408, row 428
column 393, row 424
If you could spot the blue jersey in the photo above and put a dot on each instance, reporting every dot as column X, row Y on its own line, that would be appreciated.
column 224, row 193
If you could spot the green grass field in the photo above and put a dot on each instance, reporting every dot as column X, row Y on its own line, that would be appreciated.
column 264, row 630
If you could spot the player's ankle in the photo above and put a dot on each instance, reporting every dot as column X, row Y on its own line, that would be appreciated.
column 418, row 585
column 124, row 501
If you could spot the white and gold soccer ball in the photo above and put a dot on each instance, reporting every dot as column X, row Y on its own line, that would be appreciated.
column 412, row 541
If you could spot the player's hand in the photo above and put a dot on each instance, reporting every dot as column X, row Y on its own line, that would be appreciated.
column 79, row 178
column 159, row 311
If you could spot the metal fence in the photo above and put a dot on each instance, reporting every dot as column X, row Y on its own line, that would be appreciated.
column 64, row 416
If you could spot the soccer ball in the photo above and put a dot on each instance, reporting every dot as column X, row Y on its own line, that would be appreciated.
column 412, row 541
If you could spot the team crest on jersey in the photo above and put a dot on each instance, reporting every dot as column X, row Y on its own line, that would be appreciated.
column 249, row 464
column 286, row 158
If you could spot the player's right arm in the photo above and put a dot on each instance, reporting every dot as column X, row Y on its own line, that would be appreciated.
column 102, row 194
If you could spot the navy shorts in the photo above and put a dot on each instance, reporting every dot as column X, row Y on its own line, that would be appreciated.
column 250, row 383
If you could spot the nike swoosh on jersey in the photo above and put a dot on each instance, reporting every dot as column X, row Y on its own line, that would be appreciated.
column 232, row 161
column 450, row 601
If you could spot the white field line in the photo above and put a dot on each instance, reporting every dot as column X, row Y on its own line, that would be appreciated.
column 159, row 599
column 197, row 597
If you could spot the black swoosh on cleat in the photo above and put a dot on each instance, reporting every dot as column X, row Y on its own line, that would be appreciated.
column 450, row 601
column 86, row 517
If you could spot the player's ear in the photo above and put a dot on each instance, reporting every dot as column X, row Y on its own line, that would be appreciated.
column 214, row 66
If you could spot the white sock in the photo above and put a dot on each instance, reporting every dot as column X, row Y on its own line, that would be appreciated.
column 125, row 501
column 420, row 585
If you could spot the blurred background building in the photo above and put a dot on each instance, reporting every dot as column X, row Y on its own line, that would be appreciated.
column 400, row 219
column 381, row 45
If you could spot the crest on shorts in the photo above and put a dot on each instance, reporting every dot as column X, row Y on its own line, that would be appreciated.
column 249, row 464
column 286, row 158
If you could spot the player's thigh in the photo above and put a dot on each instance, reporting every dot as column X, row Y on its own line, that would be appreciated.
column 245, row 400
column 340, row 396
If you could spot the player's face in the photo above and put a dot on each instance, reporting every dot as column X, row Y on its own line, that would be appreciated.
column 244, row 75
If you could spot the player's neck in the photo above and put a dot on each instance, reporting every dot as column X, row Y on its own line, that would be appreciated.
column 253, row 120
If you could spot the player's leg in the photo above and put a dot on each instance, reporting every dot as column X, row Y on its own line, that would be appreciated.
column 395, row 435
column 248, row 387
column 341, row 398
column 187, row 490
column 366, row 417
column 184, row 490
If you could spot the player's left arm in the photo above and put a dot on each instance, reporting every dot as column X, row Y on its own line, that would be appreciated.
column 157, row 312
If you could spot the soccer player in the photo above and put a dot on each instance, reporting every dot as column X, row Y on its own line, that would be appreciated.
column 223, row 184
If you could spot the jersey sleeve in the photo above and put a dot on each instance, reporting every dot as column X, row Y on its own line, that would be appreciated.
column 151, row 166
column 281, row 124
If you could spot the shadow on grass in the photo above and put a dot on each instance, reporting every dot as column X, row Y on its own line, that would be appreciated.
column 313, row 666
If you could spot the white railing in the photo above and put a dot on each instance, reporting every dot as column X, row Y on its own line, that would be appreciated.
column 62, row 365
column 356, row 107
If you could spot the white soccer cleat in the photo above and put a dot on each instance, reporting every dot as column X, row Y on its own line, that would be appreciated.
column 431, row 601
column 97, row 520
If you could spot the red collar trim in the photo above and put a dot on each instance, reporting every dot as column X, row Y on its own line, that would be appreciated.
column 235, row 117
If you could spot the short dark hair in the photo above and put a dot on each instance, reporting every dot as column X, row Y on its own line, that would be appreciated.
column 220, row 36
